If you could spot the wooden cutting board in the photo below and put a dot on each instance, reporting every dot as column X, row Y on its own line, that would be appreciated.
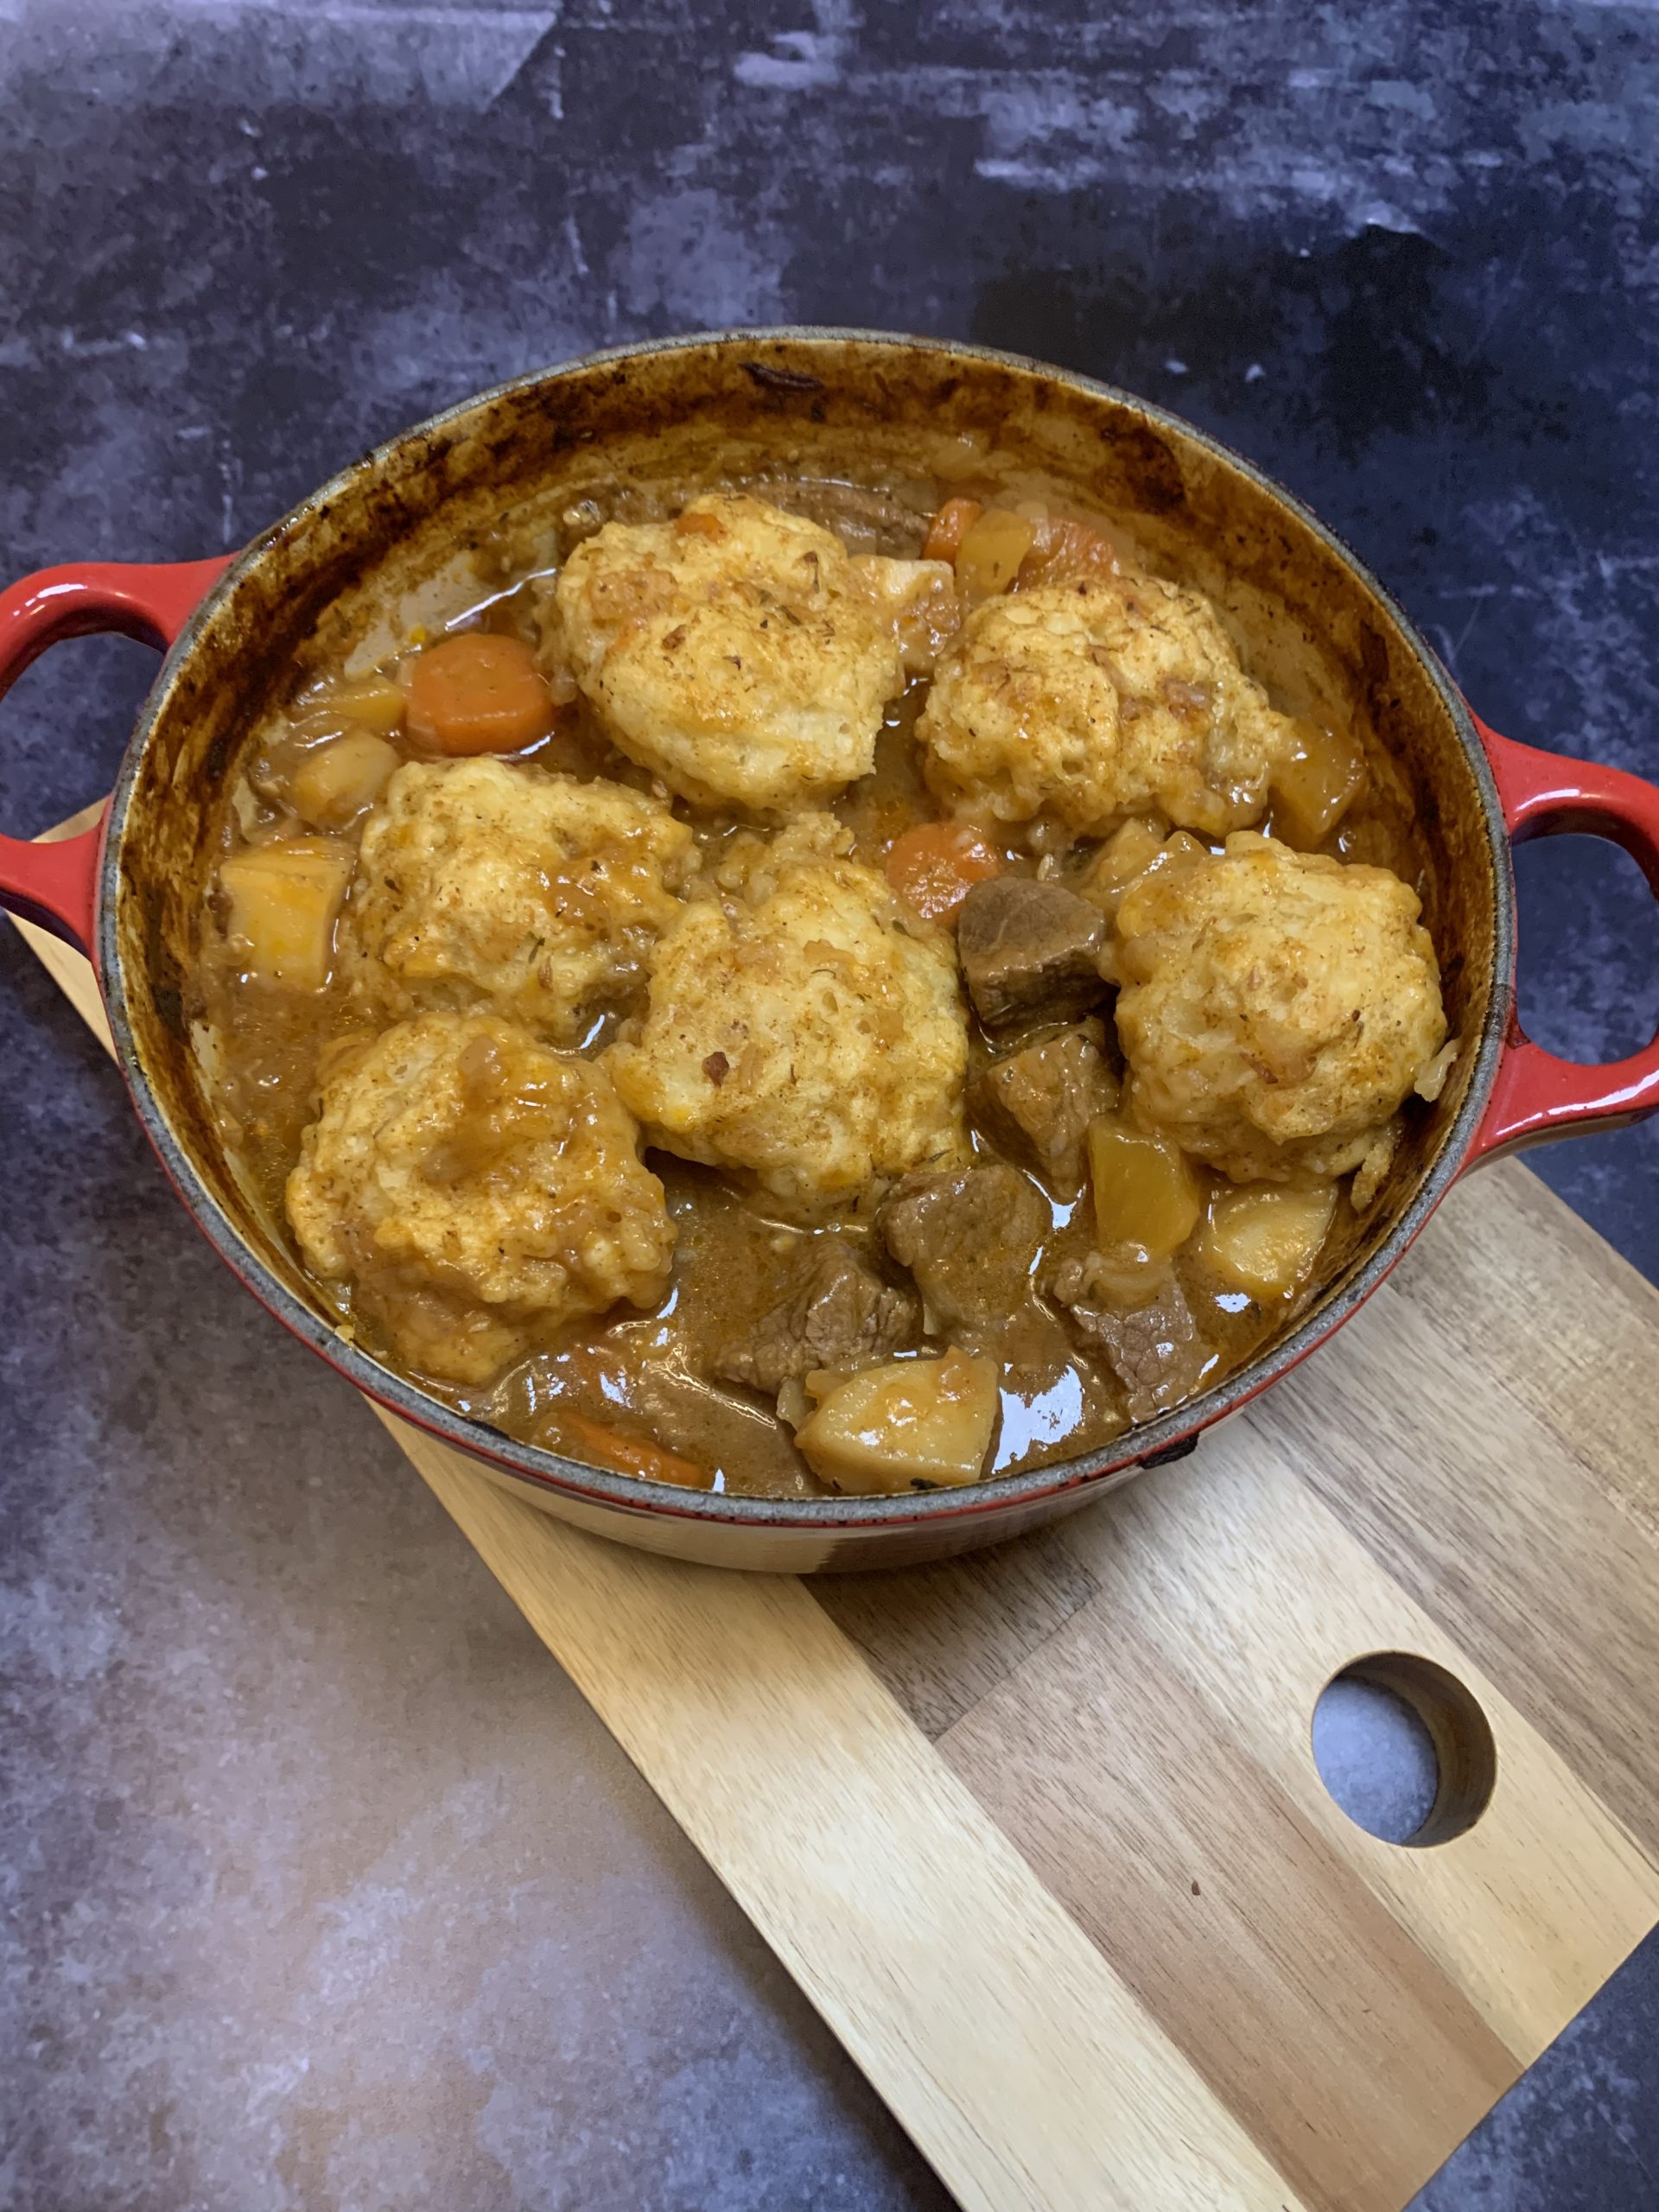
column 1040, row 1832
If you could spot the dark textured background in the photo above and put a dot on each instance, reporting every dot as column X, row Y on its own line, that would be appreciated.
column 322, row 1889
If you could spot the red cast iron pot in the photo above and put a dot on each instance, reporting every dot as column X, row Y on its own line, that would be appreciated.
column 376, row 549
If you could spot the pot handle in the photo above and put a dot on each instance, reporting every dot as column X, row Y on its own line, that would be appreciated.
column 1537, row 1097
column 55, row 885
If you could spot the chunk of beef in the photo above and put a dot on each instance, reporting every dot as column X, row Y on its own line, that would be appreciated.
column 970, row 1239
column 1153, row 1349
column 1029, row 949
column 839, row 1314
column 1040, row 1100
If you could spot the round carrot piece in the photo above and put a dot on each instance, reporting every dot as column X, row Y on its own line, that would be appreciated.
column 935, row 865
column 479, row 692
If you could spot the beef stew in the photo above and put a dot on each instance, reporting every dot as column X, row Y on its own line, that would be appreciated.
column 678, row 1010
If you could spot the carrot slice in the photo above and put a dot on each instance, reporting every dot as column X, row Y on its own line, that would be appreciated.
column 935, row 865
column 950, row 526
column 479, row 692
column 630, row 1455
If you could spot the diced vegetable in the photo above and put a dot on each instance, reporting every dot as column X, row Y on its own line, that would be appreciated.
column 1177, row 850
column 376, row 703
column 935, row 865
column 479, row 692
column 1315, row 783
column 915, row 1423
column 1135, row 848
column 950, row 525
column 1373, row 1169
column 1265, row 1238
column 629, row 1455
column 335, row 781
column 1128, row 853
column 284, row 900
column 1431, row 1077
column 1065, row 550
column 248, row 808
column 989, row 558
column 1127, row 1275
column 1144, row 1192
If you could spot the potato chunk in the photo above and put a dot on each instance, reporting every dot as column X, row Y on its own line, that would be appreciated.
column 1276, row 1007
column 495, row 881
column 456, row 1158
column 918, row 1424
column 1265, row 1240
column 741, row 653
column 1079, row 702
column 805, row 1029
column 375, row 703
column 284, row 899
column 333, row 782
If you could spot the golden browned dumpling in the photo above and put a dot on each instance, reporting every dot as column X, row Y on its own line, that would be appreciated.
column 481, row 882
column 1077, row 704
column 740, row 653
column 1276, row 1007
column 458, row 1160
column 804, row 1026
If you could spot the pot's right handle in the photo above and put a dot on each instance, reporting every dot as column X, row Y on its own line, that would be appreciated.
column 56, row 884
column 1537, row 1097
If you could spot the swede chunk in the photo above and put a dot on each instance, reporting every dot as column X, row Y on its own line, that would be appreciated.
column 989, row 558
column 1145, row 1193
column 284, row 900
column 914, row 1424
column 1315, row 781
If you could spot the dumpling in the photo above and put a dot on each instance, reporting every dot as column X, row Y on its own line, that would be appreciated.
column 804, row 1028
column 484, row 882
column 740, row 653
column 473, row 1185
column 1275, row 1006
column 1077, row 704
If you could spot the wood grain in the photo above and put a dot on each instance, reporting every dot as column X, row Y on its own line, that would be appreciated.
column 1255, row 1595
column 1231, row 1917
column 1040, row 1832
column 1004, row 2041
column 1471, row 1501
column 1564, row 1323
column 941, row 1637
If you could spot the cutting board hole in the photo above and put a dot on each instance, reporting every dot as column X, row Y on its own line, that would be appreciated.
column 1404, row 1749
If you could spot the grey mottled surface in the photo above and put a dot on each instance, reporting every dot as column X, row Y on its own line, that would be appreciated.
column 321, row 1888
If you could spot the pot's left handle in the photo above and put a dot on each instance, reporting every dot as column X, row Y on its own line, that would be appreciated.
column 1537, row 1097
column 56, row 884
